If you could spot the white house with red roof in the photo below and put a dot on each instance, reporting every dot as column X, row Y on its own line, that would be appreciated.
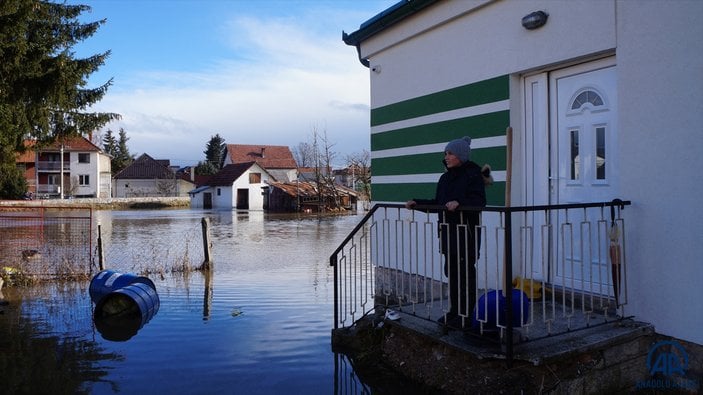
column 242, row 186
column 276, row 159
column 72, row 167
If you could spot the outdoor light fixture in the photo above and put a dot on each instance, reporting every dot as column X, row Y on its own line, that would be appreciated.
column 534, row 20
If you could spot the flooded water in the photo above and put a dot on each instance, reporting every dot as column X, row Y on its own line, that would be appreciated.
column 260, row 324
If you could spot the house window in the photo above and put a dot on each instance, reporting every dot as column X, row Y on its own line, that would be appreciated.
column 588, row 96
column 254, row 178
column 574, row 162
column 600, row 153
column 219, row 192
column 83, row 179
column 83, row 158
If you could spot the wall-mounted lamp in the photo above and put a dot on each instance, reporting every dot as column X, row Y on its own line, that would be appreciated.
column 534, row 20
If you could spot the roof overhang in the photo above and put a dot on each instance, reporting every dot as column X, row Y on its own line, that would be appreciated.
column 394, row 14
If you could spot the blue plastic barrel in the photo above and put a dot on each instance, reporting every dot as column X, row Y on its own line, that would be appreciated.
column 109, row 280
column 121, row 313
column 486, row 308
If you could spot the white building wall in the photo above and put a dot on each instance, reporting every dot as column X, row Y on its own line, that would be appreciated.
column 660, row 85
column 90, row 169
column 222, row 197
column 134, row 188
column 481, row 44
column 659, row 57
column 256, row 199
column 104, row 186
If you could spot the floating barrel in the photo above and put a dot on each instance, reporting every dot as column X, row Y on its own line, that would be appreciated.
column 108, row 281
column 520, row 313
column 121, row 313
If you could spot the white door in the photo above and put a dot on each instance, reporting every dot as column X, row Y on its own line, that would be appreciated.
column 583, row 132
column 534, row 167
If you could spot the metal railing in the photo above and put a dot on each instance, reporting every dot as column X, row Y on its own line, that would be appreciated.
column 47, row 188
column 43, row 165
column 567, row 262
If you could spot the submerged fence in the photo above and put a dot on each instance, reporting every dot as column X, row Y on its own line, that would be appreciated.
column 44, row 242
column 154, row 251
column 568, row 263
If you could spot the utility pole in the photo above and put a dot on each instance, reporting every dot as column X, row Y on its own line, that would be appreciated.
column 61, row 174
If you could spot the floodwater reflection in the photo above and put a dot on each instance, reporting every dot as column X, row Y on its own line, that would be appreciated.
column 258, row 323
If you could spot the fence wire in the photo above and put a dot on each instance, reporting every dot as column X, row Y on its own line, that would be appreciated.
column 43, row 243
column 146, row 254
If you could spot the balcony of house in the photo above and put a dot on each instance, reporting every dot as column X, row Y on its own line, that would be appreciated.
column 53, row 166
column 564, row 267
column 47, row 190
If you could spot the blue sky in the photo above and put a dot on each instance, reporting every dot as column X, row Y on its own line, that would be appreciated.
column 256, row 72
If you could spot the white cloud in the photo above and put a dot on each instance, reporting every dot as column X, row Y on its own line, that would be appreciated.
column 281, row 80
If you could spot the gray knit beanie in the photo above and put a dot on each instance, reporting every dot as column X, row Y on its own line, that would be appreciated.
column 461, row 148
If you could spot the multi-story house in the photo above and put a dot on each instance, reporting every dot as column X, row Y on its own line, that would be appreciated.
column 74, row 167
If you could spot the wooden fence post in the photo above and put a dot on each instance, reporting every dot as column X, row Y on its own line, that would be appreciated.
column 101, row 252
column 207, row 258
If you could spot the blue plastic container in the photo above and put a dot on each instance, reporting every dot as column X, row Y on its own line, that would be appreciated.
column 109, row 280
column 486, row 308
column 121, row 313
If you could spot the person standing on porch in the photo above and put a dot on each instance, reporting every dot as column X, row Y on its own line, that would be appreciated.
column 461, row 185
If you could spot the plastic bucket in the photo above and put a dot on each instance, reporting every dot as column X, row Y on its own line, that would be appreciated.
column 108, row 281
column 486, row 309
column 121, row 313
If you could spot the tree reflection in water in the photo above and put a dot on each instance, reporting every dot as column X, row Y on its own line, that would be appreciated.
column 35, row 360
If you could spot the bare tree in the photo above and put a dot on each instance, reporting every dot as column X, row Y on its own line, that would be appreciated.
column 359, row 164
column 166, row 187
column 323, row 155
column 304, row 154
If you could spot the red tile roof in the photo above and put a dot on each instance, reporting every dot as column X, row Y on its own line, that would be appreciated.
column 267, row 156
column 72, row 144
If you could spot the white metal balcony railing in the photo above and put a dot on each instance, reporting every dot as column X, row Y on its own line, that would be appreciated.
column 47, row 188
column 568, row 265
column 53, row 166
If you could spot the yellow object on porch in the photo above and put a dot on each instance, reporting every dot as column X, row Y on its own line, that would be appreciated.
column 531, row 288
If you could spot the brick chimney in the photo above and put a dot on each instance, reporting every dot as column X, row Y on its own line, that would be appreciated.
column 263, row 152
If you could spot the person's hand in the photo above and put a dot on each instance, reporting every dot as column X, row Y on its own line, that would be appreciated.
column 451, row 206
column 410, row 204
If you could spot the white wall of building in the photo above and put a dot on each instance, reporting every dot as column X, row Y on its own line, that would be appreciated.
column 488, row 42
column 660, row 83
column 659, row 60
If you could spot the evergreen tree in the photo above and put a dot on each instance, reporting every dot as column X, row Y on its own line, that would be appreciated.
column 215, row 151
column 110, row 143
column 43, row 92
column 12, row 182
column 122, row 157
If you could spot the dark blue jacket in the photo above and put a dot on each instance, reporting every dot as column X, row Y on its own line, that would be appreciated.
column 465, row 185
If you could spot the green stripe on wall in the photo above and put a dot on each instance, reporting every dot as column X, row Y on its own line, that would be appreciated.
column 482, row 92
column 432, row 162
column 484, row 125
column 402, row 192
column 495, row 194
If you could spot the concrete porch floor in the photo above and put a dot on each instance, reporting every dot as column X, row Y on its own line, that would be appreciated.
column 537, row 343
